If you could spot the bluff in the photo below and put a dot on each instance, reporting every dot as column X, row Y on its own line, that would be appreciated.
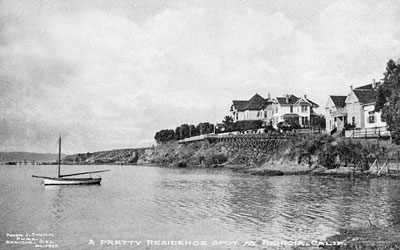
column 318, row 154
column 117, row 156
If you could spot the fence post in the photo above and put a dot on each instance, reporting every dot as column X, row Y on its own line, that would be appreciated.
column 387, row 162
column 377, row 165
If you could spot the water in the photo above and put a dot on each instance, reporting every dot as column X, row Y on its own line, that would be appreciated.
column 151, row 203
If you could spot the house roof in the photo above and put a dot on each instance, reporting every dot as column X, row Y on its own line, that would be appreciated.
column 368, row 86
column 239, row 105
column 257, row 102
column 365, row 95
column 313, row 103
column 339, row 100
column 292, row 99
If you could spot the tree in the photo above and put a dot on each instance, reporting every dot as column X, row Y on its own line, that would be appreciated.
column 178, row 133
column 318, row 121
column 205, row 128
column 193, row 131
column 388, row 100
column 164, row 135
column 185, row 131
column 228, row 123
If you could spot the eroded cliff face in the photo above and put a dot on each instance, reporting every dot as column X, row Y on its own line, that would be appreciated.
column 120, row 156
column 298, row 156
column 205, row 155
column 197, row 154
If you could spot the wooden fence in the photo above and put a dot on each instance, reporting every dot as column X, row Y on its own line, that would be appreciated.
column 370, row 133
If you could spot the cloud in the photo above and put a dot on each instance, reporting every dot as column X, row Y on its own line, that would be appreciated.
column 357, row 37
column 109, row 75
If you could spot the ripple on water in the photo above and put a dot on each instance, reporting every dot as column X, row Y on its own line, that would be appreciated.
column 158, row 203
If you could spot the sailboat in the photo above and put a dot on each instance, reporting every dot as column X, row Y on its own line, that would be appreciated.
column 62, row 180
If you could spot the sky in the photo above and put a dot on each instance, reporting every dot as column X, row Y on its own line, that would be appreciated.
column 110, row 74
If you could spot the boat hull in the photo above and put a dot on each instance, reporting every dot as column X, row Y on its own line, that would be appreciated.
column 72, row 181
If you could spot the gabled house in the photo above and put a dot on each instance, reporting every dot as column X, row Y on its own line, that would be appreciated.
column 336, row 117
column 257, row 108
column 291, row 107
column 357, row 110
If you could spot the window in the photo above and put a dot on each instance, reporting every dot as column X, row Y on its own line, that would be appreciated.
column 371, row 117
column 304, row 109
column 291, row 109
column 353, row 120
column 276, row 109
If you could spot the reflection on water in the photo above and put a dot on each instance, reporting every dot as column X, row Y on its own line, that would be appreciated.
column 139, row 203
column 57, row 201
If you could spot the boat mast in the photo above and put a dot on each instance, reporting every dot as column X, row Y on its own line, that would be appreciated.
column 59, row 156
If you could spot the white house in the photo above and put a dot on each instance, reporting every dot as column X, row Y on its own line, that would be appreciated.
column 292, row 107
column 336, row 115
column 257, row 108
column 358, row 109
column 372, row 119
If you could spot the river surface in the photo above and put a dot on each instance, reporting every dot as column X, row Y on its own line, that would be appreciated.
column 216, row 206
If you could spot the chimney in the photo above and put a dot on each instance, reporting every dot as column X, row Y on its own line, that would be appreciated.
column 351, row 87
column 269, row 96
column 373, row 84
column 287, row 98
column 305, row 96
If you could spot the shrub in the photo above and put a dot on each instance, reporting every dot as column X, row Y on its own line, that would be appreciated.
column 215, row 159
column 349, row 126
column 247, row 125
column 180, row 164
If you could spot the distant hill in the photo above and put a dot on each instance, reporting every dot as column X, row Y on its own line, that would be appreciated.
column 26, row 156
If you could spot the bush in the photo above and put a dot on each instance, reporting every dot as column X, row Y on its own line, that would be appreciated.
column 180, row 164
column 349, row 126
column 247, row 125
column 288, row 126
column 215, row 159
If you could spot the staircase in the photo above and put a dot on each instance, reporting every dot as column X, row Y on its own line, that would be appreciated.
column 336, row 134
